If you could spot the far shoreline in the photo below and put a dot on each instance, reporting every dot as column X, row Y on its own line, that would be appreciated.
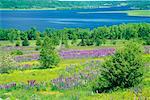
column 29, row 9
column 55, row 8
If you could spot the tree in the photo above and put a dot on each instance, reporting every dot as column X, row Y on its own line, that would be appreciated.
column 74, row 38
column 48, row 55
column 98, row 42
column 84, row 35
column 124, row 69
column 18, row 42
column 32, row 33
column 64, row 39
column 38, row 39
column 12, row 35
column 25, row 42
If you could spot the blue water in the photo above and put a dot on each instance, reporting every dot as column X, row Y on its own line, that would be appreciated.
column 59, row 19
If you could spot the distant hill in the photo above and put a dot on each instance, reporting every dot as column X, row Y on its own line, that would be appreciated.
column 39, row 4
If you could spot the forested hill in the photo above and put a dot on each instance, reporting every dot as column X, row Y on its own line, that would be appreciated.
column 54, row 4
column 38, row 4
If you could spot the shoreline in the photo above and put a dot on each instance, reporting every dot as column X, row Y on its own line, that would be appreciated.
column 29, row 9
column 55, row 8
column 142, row 13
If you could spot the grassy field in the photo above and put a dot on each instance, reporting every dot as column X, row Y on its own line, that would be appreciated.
column 129, row 12
column 79, row 93
column 139, row 13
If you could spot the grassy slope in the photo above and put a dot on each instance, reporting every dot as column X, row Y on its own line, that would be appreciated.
column 80, row 93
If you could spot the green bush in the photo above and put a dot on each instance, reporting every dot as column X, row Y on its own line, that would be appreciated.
column 38, row 42
column 38, row 39
column 48, row 55
column 18, row 43
column 147, row 41
column 25, row 42
column 114, row 42
column 124, row 69
column 37, row 48
column 6, row 64
column 98, row 42
column 17, row 52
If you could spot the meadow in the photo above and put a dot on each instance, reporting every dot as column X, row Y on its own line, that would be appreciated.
column 28, row 82
column 74, row 50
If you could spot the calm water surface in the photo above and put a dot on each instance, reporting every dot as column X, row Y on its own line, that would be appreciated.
column 59, row 19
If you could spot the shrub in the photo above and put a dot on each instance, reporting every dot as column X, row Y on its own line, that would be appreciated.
column 38, row 42
column 98, row 42
column 38, row 39
column 6, row 64
column 147, row 41
column 82, row 43
column 48, row 56
column 124, row 69
column 17, row 52
column 37, row 48
column 114, row 42
column 18, row 43
column 25, row 42
column 18, row 39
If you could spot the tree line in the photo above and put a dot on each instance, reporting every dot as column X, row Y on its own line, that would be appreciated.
column 26, row 4
column 96, row 36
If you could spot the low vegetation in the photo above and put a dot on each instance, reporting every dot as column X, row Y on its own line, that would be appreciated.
column 103, row 63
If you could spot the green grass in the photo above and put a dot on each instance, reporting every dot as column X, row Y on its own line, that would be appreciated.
column 139, row 13
column 129, row 12
column 8, row 43
column 70, row 94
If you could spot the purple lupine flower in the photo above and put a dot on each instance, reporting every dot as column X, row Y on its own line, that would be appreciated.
column 31, row 83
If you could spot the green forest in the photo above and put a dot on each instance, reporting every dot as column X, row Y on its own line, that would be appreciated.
column 38, row 4
column 88, row 37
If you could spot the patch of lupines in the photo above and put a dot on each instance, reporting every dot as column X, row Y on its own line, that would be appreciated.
column 10, row 48
column 8, row 86
column 25, row 50
column 27, row 57
column 86, row 53
column 32, row 83
column 89, row 73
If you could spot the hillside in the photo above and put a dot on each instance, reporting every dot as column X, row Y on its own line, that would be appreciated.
column 39, row 4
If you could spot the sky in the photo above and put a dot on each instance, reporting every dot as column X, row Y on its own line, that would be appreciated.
column 92, row 0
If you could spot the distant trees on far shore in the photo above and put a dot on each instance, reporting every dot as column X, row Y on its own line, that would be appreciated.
column 87, row 37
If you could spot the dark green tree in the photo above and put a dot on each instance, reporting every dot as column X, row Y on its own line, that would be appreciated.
column 74, row 39
column 25, row 42
column 32, row 33
column 124, row 69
